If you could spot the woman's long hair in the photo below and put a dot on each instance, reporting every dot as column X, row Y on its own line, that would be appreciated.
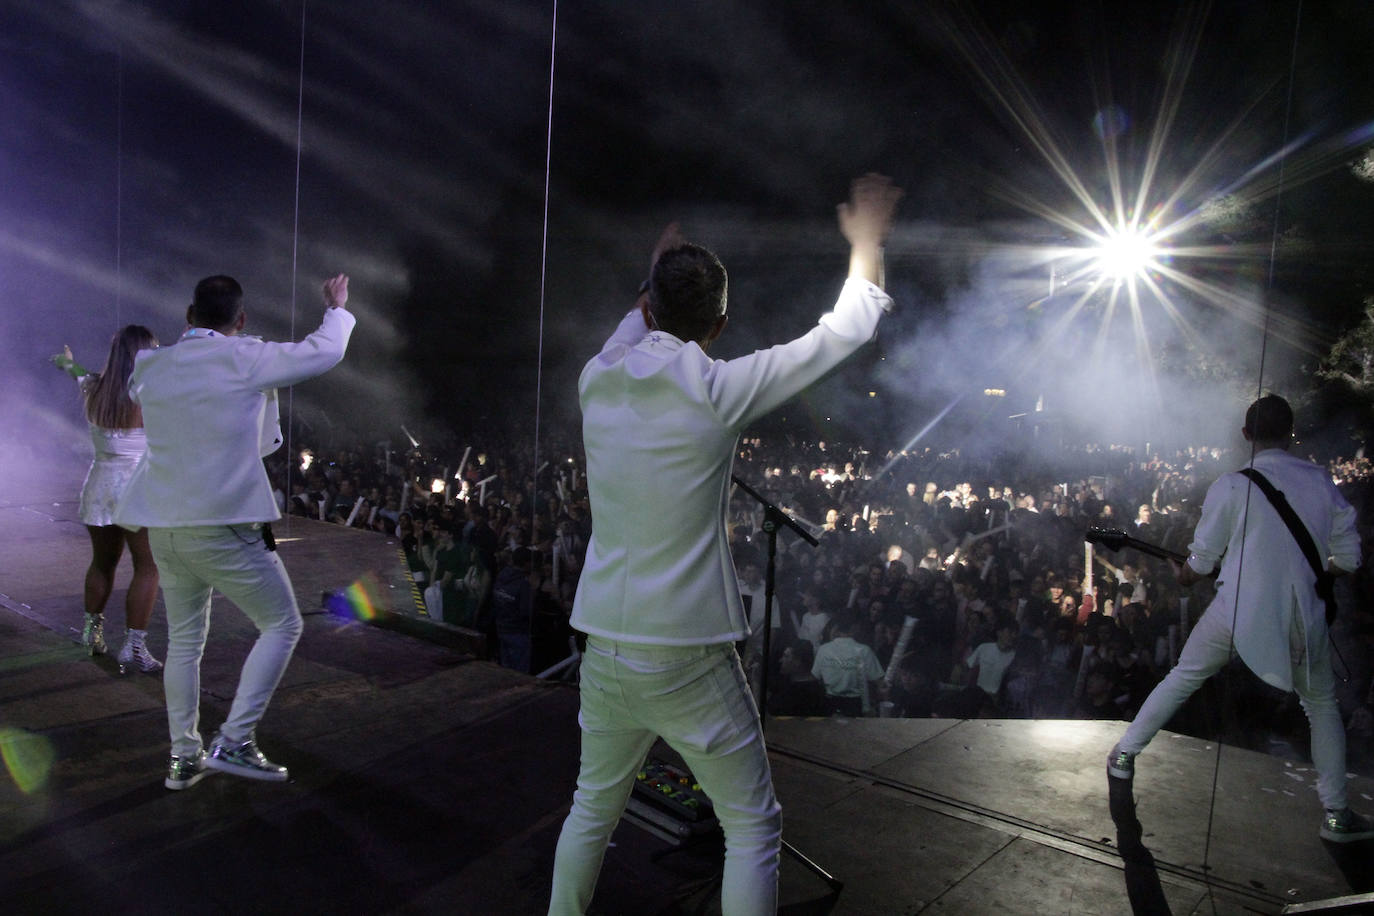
column 107, row 394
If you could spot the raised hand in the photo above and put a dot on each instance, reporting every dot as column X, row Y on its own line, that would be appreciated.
column 336, row 291
column 866, row 219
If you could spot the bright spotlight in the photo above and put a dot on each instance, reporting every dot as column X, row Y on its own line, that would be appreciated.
column 1126, row 253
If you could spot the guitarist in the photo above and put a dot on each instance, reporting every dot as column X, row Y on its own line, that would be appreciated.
column 1267, row 605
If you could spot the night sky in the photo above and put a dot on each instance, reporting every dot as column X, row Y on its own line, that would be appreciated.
column 145, row 145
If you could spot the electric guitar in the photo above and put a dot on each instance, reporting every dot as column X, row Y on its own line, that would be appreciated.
column 1116, row 539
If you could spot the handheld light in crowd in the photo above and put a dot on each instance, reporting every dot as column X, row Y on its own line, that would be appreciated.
column 414, row 443
column 436, row 485
column 307, row 459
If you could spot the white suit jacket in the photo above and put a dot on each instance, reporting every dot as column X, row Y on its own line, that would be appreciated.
column 210, row 411
column 659, row 422
column 1264, row 578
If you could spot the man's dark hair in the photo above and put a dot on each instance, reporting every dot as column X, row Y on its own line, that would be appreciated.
column 843, row 624
column 1269, row 419
column 217, row 302
column 687, row 292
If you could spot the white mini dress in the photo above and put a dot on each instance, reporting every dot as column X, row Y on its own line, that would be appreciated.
column 116, row 455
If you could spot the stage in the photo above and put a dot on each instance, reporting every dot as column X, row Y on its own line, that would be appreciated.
column 428, row 780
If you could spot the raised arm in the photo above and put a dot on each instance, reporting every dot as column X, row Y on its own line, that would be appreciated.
column 866, row 221
column 276, row 365
column 68, row 364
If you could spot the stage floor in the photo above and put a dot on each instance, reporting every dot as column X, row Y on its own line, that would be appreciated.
column 426, row 780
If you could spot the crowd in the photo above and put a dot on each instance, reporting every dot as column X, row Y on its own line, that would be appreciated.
column 948, row 583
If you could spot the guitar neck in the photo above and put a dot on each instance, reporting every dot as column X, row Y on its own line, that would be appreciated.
column 1116, row 539
column 1155, row 551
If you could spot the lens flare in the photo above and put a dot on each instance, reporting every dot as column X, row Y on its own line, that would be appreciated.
column 28, row 758
column 362, row 600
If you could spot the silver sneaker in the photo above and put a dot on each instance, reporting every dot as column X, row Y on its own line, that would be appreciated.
column 1345, row 826
column 184, row 772
column 93, row 634
column 243, row 760
column 135, row 654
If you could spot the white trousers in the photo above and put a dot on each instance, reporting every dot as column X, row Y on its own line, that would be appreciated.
column 1209, row 648
column 192, row 562
column 696, row 698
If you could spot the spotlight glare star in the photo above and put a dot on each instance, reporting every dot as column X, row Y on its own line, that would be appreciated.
column 1126, row 253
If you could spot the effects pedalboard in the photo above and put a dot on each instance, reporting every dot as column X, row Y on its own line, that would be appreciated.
column 669, row 803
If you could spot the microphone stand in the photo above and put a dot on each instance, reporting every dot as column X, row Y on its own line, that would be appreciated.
column 773, row 518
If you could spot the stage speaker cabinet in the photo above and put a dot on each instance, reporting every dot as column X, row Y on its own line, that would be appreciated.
column 668, row 803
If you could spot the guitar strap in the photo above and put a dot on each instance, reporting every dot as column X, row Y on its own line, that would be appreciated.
column 1325, row 580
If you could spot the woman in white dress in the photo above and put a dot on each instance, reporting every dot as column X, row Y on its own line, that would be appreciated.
column 117, row 434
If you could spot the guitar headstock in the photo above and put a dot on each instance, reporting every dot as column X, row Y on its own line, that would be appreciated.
column 1111, row 538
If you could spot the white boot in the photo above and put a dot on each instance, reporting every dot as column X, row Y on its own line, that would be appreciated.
column 135, row 652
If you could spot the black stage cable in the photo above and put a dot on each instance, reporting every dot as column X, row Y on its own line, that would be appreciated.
column 1259, row 392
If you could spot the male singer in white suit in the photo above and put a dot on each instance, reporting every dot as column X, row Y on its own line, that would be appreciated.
column 658, row 598
column 210, row 411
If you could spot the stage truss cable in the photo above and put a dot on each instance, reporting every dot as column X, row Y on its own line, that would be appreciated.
column 119, row 184
column 543, row 268
column 1259, row 393
column 295, row 245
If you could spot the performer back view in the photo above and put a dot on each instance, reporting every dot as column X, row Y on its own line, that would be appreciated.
column 210, row 412
column 658, row 596
column 1266, row 605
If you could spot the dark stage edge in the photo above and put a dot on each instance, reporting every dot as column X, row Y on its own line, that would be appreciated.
column 426, row 780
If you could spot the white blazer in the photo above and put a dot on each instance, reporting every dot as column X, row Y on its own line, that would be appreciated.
column 659, row 423
column 210, row 411
column 1265, row 579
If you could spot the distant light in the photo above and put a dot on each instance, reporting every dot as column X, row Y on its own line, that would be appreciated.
column 995, row 392
column 873, row 394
